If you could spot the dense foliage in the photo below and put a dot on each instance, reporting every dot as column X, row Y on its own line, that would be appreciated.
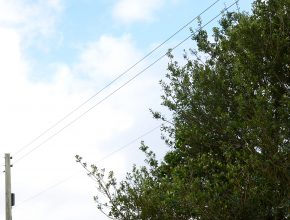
column 230, row 139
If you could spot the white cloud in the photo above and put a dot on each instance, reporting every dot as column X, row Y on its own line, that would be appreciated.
column 35, row 21
column 128, row 11
column 107, row 57
column 56, row 4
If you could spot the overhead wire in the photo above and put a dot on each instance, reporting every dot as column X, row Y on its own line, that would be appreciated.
column 120, row 87
column 44, row 191
column 131, row 79
column 98, row 161
column 226, row 8
column 113, row 81
column 128, row 144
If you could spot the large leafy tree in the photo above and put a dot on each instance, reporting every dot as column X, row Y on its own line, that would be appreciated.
column 230, row 138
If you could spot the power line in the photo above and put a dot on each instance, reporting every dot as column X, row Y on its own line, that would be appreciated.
column 128, row 144
column 113, row 81
column 120, row 87
column 45, row 190
column 98, row 161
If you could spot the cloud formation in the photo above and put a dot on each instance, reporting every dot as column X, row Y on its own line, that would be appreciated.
column 35, row 21
column 107, row 57
column 129, row 11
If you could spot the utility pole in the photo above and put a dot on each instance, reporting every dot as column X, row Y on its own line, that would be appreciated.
column 8, row 195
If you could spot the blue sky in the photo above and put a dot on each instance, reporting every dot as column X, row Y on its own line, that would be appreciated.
column 54, row 55
column 80, row 23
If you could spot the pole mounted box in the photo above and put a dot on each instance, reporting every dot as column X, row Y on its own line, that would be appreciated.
column 12, row 199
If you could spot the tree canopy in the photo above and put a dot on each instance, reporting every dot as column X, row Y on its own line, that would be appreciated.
column 229, row 142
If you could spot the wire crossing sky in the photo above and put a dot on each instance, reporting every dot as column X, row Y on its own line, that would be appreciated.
column 116, row 90
column 110, row 83
column 57, row 53
column 97, row 162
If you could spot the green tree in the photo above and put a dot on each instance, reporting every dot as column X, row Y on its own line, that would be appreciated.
column 230, row 139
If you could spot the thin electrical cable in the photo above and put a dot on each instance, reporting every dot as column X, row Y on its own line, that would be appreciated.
column 98, row 161
column 45, row 190
column 120, row 87
column 128, row 144
column 113, row 81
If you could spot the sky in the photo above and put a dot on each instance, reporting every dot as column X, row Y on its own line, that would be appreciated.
column 55, row 55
